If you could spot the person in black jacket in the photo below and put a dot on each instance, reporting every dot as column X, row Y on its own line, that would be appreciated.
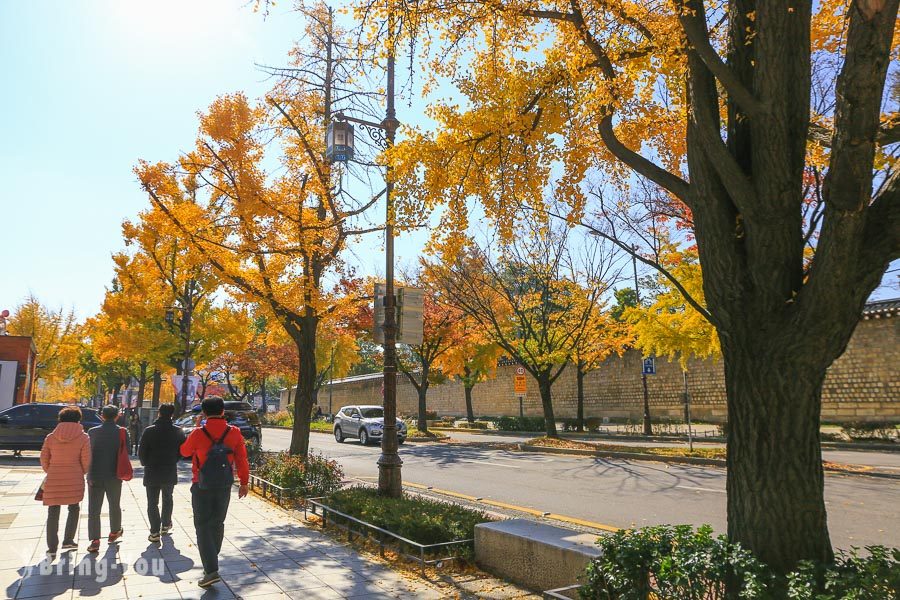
column 159, row 454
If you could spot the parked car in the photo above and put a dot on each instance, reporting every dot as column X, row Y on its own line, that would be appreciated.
column 239, row 414
column 365, row 423
column 24, row 426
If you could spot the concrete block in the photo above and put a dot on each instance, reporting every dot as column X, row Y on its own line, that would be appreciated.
column 534, row 555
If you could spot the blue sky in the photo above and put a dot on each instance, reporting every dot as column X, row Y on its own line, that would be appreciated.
column 88, row 88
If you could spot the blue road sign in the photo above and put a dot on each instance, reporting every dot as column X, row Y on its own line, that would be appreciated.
column 649, row 367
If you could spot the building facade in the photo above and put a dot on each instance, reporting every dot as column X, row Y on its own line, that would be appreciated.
column 18, row 358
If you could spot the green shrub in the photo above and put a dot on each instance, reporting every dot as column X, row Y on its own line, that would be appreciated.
column 881, row 430
column 431, row 415
column 679, row 562
column 872, row 577
column 419, row 519
column 282, row 418
column 478, row 425
column 315, row 476
column 593, row 424
column 520, row 423
column 321, row 426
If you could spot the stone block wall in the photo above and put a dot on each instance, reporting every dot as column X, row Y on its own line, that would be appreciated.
column 862, row 385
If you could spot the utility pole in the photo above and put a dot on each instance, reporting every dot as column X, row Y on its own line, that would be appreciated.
column 687, row 411
column 331, row 384
column 389, row 463
column 648, row 427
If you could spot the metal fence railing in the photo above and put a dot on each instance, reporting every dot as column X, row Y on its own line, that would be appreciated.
column 277, row 493
column 563, row 593
column 383, row 537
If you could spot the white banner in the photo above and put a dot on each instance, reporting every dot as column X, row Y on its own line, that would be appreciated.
column 193, row 385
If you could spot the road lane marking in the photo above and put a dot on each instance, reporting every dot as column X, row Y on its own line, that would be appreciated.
column 515, row 507
column 485, row 462
column 700, row 489
column 524, row 457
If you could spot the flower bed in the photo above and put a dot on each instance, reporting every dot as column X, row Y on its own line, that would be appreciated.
column 423, row 521
column 297, row 478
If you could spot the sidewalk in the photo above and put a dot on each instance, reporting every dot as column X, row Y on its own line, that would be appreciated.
column 266, row 554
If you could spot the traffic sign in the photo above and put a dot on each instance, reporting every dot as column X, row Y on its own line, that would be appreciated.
column 520, row 370
column 649, row 366
column 520, row 384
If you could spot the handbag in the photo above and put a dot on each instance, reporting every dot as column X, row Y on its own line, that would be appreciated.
column 124, row 472
column 39, row 495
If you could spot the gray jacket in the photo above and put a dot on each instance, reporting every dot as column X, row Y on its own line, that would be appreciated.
column 105, row 451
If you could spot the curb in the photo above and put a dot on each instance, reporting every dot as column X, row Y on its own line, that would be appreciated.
column 691, row 460
column 857, row 446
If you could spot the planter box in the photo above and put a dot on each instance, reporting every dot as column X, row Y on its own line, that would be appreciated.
column 534, row 555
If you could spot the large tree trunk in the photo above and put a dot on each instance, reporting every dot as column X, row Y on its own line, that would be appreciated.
column 422, row 424
column 470, row 410
column 579, row 382
column 157, row 388
column 306, row 383
column 544, row 386
column 775, row 481
column 142, row 384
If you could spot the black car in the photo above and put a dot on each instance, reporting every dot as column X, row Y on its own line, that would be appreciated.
column 24, row 426
column 239, row 414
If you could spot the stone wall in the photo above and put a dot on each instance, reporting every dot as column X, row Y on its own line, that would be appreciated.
column 863, row 384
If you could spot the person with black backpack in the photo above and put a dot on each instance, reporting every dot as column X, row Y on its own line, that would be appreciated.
column 216, row 450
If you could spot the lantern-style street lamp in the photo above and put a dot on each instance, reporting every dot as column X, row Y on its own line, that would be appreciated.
column 339, row 142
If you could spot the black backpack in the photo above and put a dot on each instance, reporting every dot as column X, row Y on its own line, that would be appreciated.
column 216, row 473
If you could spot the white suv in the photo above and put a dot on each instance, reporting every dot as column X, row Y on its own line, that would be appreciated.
column 365, row 423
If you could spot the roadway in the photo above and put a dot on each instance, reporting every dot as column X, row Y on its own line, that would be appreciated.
column 611, row 492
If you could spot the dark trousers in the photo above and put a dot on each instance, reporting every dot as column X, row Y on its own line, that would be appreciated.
column 153, row 492
column 53, row 525
column 97, row 490
column 210, row 508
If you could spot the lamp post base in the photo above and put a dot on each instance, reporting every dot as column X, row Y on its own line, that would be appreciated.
column 389, row 480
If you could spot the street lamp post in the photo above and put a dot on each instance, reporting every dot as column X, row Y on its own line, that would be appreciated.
column 389, row 463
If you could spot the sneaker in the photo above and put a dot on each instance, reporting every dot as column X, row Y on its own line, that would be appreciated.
column 115, row 535
column 208, row 579
column 153, row 537
column 165, row 530
column 94, row 547
column 70, row 546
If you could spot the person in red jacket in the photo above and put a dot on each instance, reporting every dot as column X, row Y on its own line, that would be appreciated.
column 216, row 451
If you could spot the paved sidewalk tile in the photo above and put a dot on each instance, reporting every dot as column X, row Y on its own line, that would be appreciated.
column 266, row 554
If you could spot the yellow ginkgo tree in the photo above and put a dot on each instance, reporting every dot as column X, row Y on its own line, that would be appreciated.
column 670, row 326
column 271, row 217
column 726, row 106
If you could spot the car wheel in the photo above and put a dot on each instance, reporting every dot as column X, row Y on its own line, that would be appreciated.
column 363, row 437
column 338, row 436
